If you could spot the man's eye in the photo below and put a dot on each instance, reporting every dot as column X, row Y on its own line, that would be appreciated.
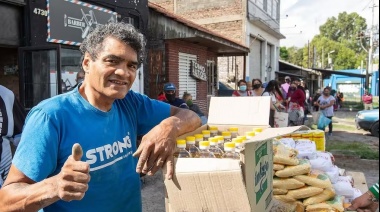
column 111, row 61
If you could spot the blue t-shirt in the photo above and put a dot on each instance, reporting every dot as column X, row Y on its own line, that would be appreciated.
column 108, row 140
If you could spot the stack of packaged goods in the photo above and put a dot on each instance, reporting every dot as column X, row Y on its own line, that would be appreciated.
column 295, row 182
column 214, row 144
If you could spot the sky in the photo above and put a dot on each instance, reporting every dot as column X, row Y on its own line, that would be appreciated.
column 308, row 15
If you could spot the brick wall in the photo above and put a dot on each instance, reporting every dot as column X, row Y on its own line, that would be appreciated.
column 173, row 47
column 208, row 8
column 231, row 29
column 8, row 57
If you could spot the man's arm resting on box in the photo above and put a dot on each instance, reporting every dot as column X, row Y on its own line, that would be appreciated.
column 20, row 193
column 157, row 147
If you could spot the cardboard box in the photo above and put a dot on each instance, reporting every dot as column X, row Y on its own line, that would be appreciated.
column 204, row 184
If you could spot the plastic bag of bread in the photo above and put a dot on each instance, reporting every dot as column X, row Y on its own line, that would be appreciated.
column 284, row 198
column 279, row 206
column 288, row 142
column 322, row 162
column 315, row 178
column 304, row 167
column 278, row 167
column 287, row 183
column 304, row 192
column 327, row 194
column 285, row 160
column 279, row 191
column 321, row 207
column 306, row 149
column 280, row 149
column 343, row 187
column 337, row 203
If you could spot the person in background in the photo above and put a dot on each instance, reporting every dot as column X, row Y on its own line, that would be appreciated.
column 170, row 95
column 285, row 87
column 161, row 96
column 297, row 103
column 307, row 101
column 367, row 100
column 243, row 91
column 369, row 201
column 315, row 100
column 12, row 118
column 257, row 87
column 326, row 104
column 292, row 89
column 194, row 107
column 273, row 90
column 79, row 79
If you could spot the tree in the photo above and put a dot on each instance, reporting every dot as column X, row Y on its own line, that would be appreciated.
column 284, row 54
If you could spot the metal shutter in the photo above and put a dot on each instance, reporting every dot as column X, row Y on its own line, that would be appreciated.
column 186, row 82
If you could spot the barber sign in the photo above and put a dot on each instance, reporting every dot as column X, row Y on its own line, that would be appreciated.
column 198, row 71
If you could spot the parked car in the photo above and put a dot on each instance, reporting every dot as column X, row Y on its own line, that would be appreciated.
column 368, row 120
column 225, row 90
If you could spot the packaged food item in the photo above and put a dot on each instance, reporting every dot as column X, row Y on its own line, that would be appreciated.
column 322, row 162
column 191, row 148
column 333, row 174
column 337, row 203
column 278, row 191
column 306, row 149
column 287, row 183
column 304, row 192
column 278, row 167
column 343, row 187
column 181, row 150
column 213, row 131
column 290, row 171
column 227, row 136
column 250, row 135
column 285, row 198
column 321, row 207
column 229, row 151
column 198, row 138
column 234, row 131
column 257, row 130
column 281, row 159
column 289, row 142
column 238, row 144
column 214, row 148
column 322, row 197
column 204, row 147
column 319, row 139
column 315, row 178
column 206, row 135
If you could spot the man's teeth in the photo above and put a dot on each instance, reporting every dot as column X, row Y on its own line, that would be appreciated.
column 119, row 83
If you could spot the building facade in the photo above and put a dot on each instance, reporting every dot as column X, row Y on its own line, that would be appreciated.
column 11, row 37
column 47, row 56
column 254, row 23
column 185, row 54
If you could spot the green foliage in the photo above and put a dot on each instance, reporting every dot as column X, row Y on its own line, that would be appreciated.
column 338, row 34
column 363, row 150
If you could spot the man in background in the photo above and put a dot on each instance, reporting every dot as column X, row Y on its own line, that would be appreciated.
column 12, row 118
column 170, row 93
column 285, row 86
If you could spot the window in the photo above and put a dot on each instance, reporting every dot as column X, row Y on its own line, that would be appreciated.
column 269, row 7
column 212, row 76
column 265, row 5
column 274, row 11
column 260, row 3
column 186, row 82
column 70, row 66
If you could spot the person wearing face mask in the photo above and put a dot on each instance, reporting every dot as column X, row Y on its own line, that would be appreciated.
column 285, row 87
column 194, row 107
column 326, row 104
column 297, row 103
column 243, row 89
column 170, row 94
column 273, row 90
column 257, row 87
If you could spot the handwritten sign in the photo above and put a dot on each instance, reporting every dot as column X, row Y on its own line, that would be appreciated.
column 198, row 71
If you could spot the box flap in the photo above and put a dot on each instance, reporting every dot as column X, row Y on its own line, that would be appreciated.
column 239, row 111
column 218, row 190
column 190, row 165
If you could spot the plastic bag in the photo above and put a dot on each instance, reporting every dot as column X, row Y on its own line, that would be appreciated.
column 321, row 207
column 306, row 149
column 323, row 122
column 333, row 174
column 290, row 171
column 343, row 187
column 316, row 179
column 288, row 142
column 322, row 197
column 323, row 162
column 305, row 192
column 287, row 184
column 337, row 203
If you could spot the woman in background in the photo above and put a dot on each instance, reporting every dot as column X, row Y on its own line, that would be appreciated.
column 273, row 90
column 243, row 89
column 257, row 87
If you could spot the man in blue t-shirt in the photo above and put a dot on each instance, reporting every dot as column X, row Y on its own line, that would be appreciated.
column 170, row 94
column 51, row 172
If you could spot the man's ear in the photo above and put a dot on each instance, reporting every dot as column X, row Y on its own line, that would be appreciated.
column 86, row 62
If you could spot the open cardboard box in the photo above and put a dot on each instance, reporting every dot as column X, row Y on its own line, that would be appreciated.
column 207, row 184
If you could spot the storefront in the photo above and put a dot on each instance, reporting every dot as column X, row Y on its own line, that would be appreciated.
column 185, row 54
column 10, row 39
column 54, row 30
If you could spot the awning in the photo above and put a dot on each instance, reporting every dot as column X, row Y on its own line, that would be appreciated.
column 331, row 72
column 281, row 73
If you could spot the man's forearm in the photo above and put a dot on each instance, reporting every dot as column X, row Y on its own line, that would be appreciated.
column 184, row 121
column 28, row 197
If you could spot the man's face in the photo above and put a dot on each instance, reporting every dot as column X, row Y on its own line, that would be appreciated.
column 113, row 72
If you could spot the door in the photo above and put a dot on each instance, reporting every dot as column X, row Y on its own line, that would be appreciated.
column 39, row 74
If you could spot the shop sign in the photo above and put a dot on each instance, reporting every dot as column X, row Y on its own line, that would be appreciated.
column 10, row 70
column 70, row 21
column 198, row 71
